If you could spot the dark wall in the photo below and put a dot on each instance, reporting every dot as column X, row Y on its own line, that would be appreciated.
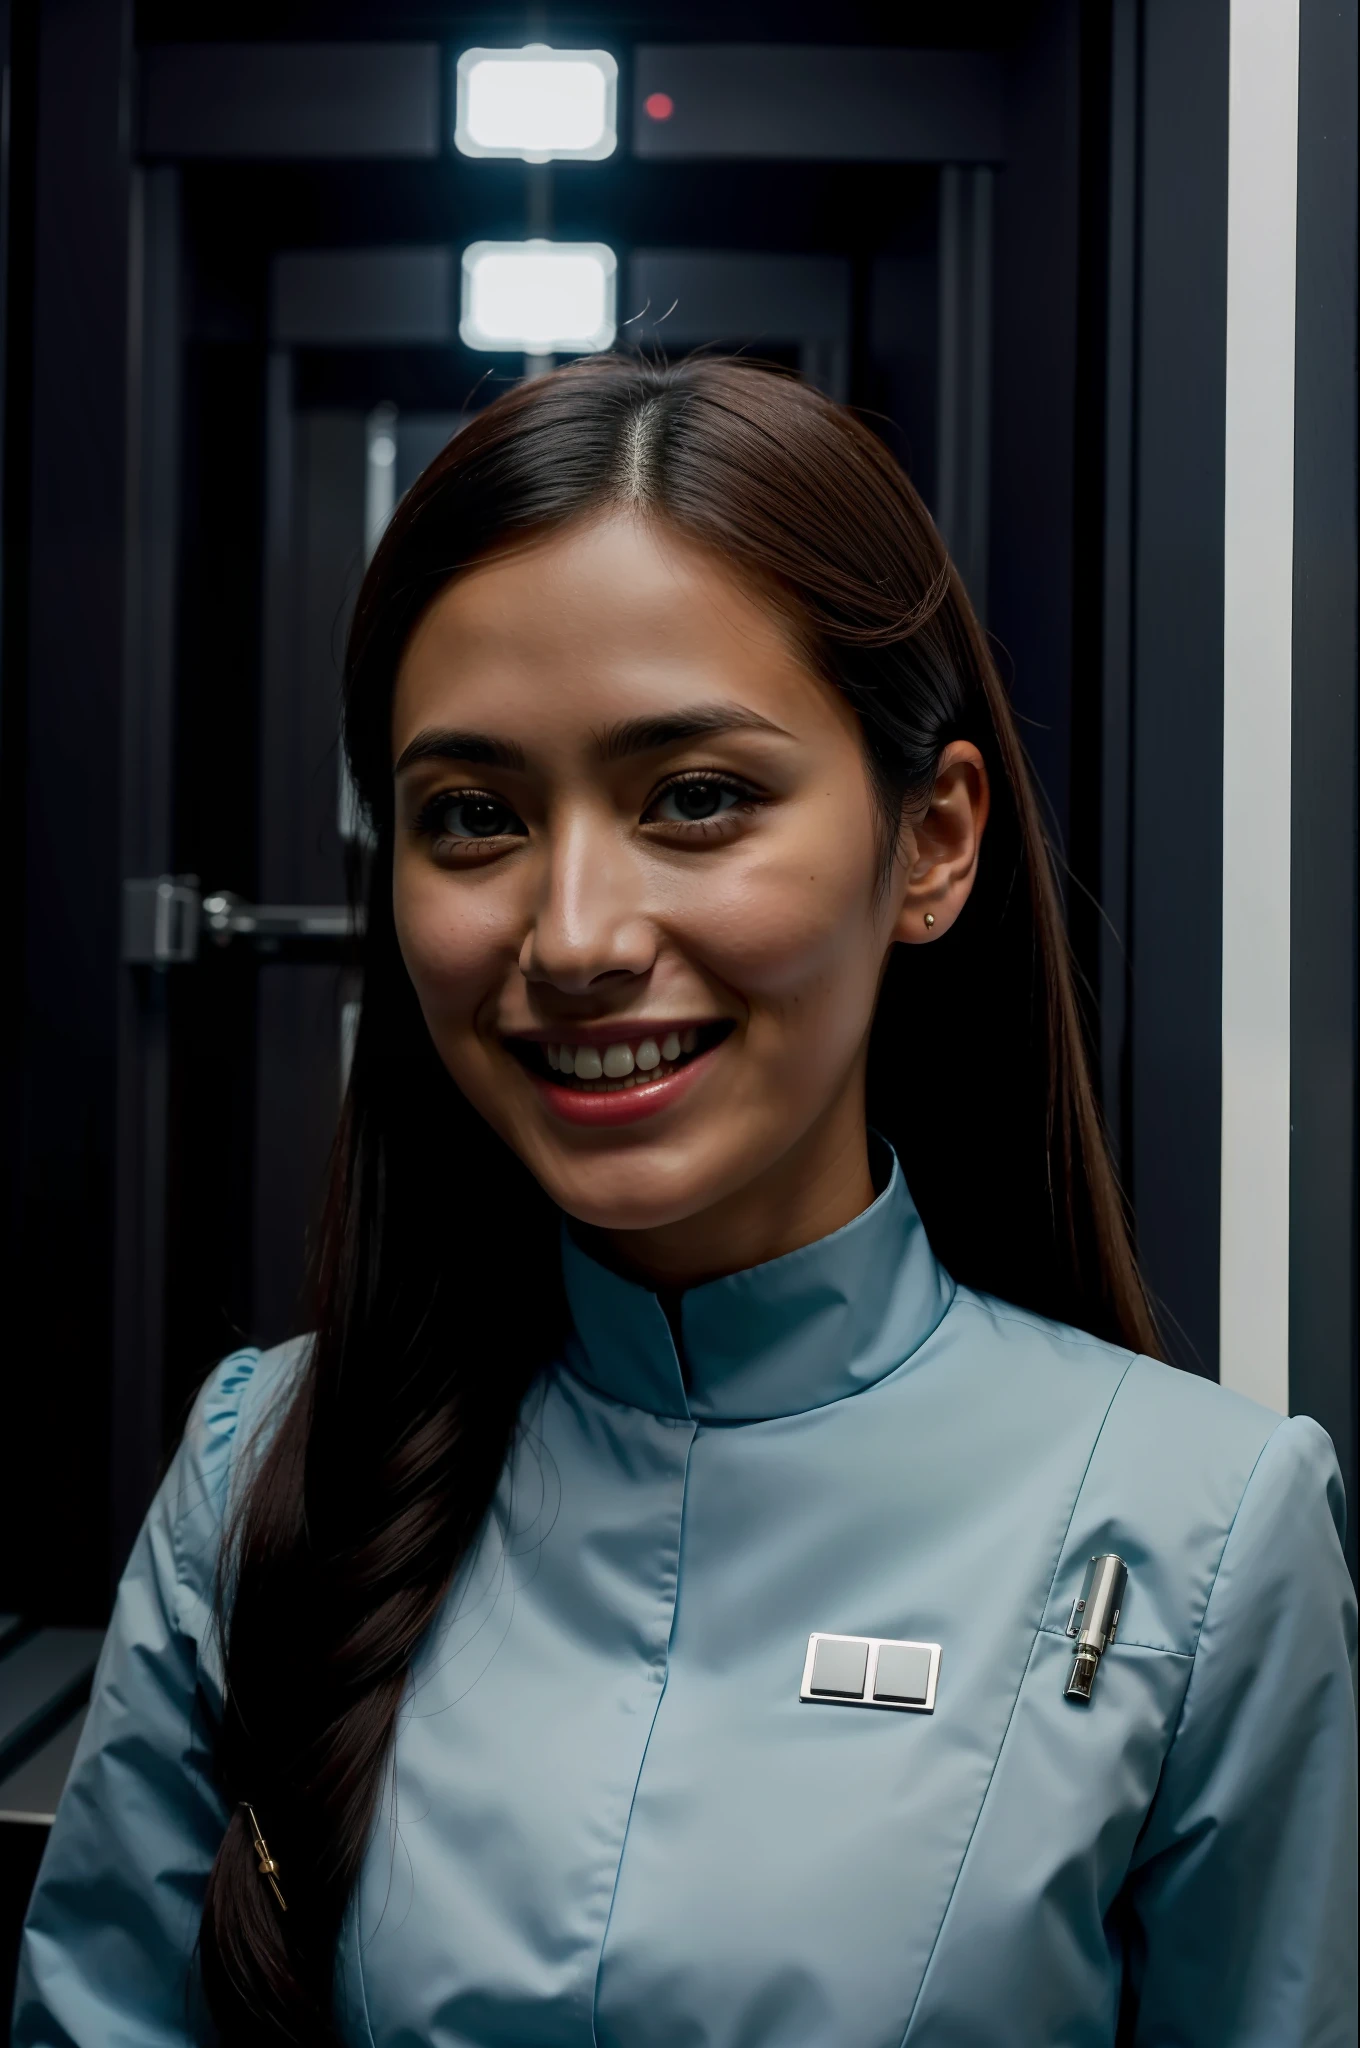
column 1034, row 410
column 63, row 748
column 1324, row 1212
column 1176, row 738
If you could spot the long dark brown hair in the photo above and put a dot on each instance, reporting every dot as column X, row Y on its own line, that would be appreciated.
column 382, row 1467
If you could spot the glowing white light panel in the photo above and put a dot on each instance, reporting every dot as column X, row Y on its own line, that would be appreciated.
column 1258, row 629
column 539, row 298
column 537, row 103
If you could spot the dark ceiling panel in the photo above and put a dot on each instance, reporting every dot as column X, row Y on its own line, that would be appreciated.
column 344, row 298
column 741, row 100
column 282, row 100
column 963, row 24
column 701, row 295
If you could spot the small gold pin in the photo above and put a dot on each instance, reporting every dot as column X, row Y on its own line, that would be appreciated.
column 268, row 1867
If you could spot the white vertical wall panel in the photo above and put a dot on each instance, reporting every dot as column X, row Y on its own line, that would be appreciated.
column 1257, row 689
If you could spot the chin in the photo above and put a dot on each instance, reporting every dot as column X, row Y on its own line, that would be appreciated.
column 640, row 1176
column 640, row 1188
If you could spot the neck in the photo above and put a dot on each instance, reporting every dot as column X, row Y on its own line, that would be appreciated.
column 822, row 1183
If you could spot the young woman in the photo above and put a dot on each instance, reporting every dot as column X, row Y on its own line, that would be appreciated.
column 722, row 1256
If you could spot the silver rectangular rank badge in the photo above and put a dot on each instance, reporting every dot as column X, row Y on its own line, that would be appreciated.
column 870, row 1671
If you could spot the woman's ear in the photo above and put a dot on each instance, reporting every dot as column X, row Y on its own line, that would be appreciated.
column 941, row 847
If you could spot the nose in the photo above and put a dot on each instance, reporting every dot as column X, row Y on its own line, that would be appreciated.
column 588, row 923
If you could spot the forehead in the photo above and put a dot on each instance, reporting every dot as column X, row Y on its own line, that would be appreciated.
column 600, row 622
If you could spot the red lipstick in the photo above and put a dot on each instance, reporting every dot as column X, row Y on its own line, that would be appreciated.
column 605, row 1109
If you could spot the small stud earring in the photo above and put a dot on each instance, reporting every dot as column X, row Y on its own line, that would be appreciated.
column 930, row 921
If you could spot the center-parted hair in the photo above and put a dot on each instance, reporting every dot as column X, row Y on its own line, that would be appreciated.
column 380, row 1471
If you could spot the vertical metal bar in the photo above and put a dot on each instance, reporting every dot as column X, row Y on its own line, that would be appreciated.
column 964, row 397
column 380, row 499
column 380, row 475
column 282, row 786
column 1175, row 1018
column 317, row 554
column 281, row 693
column 136, row 1423
column 1324, row 1214
column 948, row 456
column 981, row 179
column 538, row 225
column 1258, row 580
column 1116, row 735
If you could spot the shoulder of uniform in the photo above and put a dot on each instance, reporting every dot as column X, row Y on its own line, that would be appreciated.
column 1171, row 1456
column 1223, row 1422
column 230, row 1425
column 1217, row 1426
column 1021, row 1332
column 1166, row 1477
column 239, row 1401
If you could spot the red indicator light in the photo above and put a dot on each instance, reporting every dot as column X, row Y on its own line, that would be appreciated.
column 659, row 105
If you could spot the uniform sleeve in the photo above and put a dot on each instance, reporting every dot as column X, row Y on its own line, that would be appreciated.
column 1242, row 1895
column 108, row 1944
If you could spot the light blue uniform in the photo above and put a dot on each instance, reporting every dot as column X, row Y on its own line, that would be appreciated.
column 613, row 1820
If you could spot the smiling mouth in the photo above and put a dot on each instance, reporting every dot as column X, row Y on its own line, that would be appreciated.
column 624, row 1063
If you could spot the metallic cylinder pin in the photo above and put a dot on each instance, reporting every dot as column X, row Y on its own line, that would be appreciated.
column 1094, row 1619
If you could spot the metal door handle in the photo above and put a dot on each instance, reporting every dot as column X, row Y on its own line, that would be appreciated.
column 166, row 916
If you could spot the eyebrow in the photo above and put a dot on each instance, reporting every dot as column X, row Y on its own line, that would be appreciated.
column 439, row 744
column 616, row 743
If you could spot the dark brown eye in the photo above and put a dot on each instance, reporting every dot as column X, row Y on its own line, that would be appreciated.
column 696, row 799
column 472, row 817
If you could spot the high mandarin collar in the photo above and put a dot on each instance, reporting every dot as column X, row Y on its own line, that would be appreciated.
column 798, row 1332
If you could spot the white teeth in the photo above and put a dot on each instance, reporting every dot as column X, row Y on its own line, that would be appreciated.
column 622, row 1064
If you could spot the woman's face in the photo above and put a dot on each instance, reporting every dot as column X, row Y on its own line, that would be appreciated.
column 636, row 886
